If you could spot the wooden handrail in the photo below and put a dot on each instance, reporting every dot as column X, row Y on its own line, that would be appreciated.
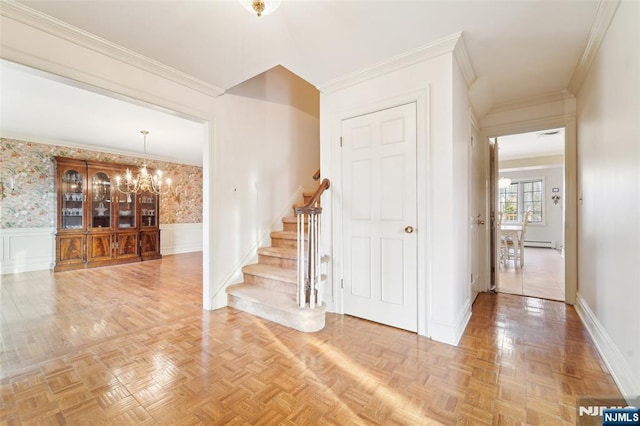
column 315, row 199
column 316, row 175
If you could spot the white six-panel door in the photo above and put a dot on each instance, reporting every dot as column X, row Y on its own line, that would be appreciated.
column 379, row 217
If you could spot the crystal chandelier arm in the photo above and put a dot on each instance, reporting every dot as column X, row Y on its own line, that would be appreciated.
column 144, row 180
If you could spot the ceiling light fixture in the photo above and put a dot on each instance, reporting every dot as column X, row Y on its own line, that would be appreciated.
column 144, row 181
column 504, row 182
column 261, row 7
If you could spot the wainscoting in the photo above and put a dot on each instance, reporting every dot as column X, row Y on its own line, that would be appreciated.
column 33, row 249
column 26, row 249
column 180, row 238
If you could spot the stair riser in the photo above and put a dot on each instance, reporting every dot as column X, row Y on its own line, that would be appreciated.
column 270, row 283
column 305, row 324
column 293, row 227
column 283, row 242
column 278, row 261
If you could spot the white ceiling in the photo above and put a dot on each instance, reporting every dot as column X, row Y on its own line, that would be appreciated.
column 534, row 144
column 37, row 107
column 522, row 49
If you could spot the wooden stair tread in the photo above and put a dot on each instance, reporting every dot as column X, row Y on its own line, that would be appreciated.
column 294, row 219
column 282, row 252
column 272, row 272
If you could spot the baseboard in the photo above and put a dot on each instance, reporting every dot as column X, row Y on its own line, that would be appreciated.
column 451, row 333
column 627, row 380
column 540, row 244
column 26, row 250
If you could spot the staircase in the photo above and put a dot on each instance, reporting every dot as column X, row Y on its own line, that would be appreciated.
column 270, row 287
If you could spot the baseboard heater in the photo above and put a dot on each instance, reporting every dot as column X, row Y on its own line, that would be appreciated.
column 541, row 244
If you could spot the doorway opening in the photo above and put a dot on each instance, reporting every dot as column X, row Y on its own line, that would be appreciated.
column 529, row 201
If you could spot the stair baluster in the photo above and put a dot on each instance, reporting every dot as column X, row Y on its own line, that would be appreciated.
column 309, row 271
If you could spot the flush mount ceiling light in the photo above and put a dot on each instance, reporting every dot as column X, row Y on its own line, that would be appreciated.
column 261, row 7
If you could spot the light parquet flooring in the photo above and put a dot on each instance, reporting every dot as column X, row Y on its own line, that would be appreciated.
column 541, row 276
column 131, row 344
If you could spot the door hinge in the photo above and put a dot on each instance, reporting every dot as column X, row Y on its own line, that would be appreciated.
column 340, row 141
column 341, row 283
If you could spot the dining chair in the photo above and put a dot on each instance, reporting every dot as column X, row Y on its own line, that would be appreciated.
column 525, row 222
column 512, row 244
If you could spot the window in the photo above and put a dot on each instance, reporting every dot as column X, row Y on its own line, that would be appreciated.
column 509, row 202
column 532, row 199
column 522, row 196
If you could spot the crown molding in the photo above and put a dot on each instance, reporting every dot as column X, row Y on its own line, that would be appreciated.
column 561, row 96
column 462, row 57
column 604, row 15
column 403, row 60
column 38, row 20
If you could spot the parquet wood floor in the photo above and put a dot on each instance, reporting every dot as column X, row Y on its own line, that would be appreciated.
column 131, row 344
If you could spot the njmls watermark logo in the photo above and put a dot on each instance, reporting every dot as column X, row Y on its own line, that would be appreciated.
column 608, row 411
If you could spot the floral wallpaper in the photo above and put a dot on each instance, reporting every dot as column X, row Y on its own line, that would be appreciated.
column 27, row 177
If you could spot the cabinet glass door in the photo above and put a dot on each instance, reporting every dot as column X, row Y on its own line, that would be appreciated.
column 100, row 201
column 72, row 200
column 149, row 209
column 126, row 211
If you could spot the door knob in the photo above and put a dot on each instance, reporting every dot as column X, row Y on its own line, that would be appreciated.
column 408, row 229
column 480, row 222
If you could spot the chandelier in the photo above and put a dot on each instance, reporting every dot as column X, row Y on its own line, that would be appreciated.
column 261, row 7
column 144, row 181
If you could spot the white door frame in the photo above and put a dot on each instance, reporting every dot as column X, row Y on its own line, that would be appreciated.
column 482, row 230
column 423, row 225
column 571, row 188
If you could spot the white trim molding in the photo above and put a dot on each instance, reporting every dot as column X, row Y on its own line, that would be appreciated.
column 26, row 249
column 628, row 381
column 604, row 15
column 561, row 96
column 452, row 43
column 451, row 333
column 554, row 119
column 35, row 19
column 176, row 238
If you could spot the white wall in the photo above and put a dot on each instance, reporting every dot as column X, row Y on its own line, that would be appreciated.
column 239, row 133
column 442, row 229
column 609, row 183
column 268, row 153
column 551, row 229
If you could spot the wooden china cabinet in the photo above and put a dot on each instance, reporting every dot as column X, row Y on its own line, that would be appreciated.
column 97, row 225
